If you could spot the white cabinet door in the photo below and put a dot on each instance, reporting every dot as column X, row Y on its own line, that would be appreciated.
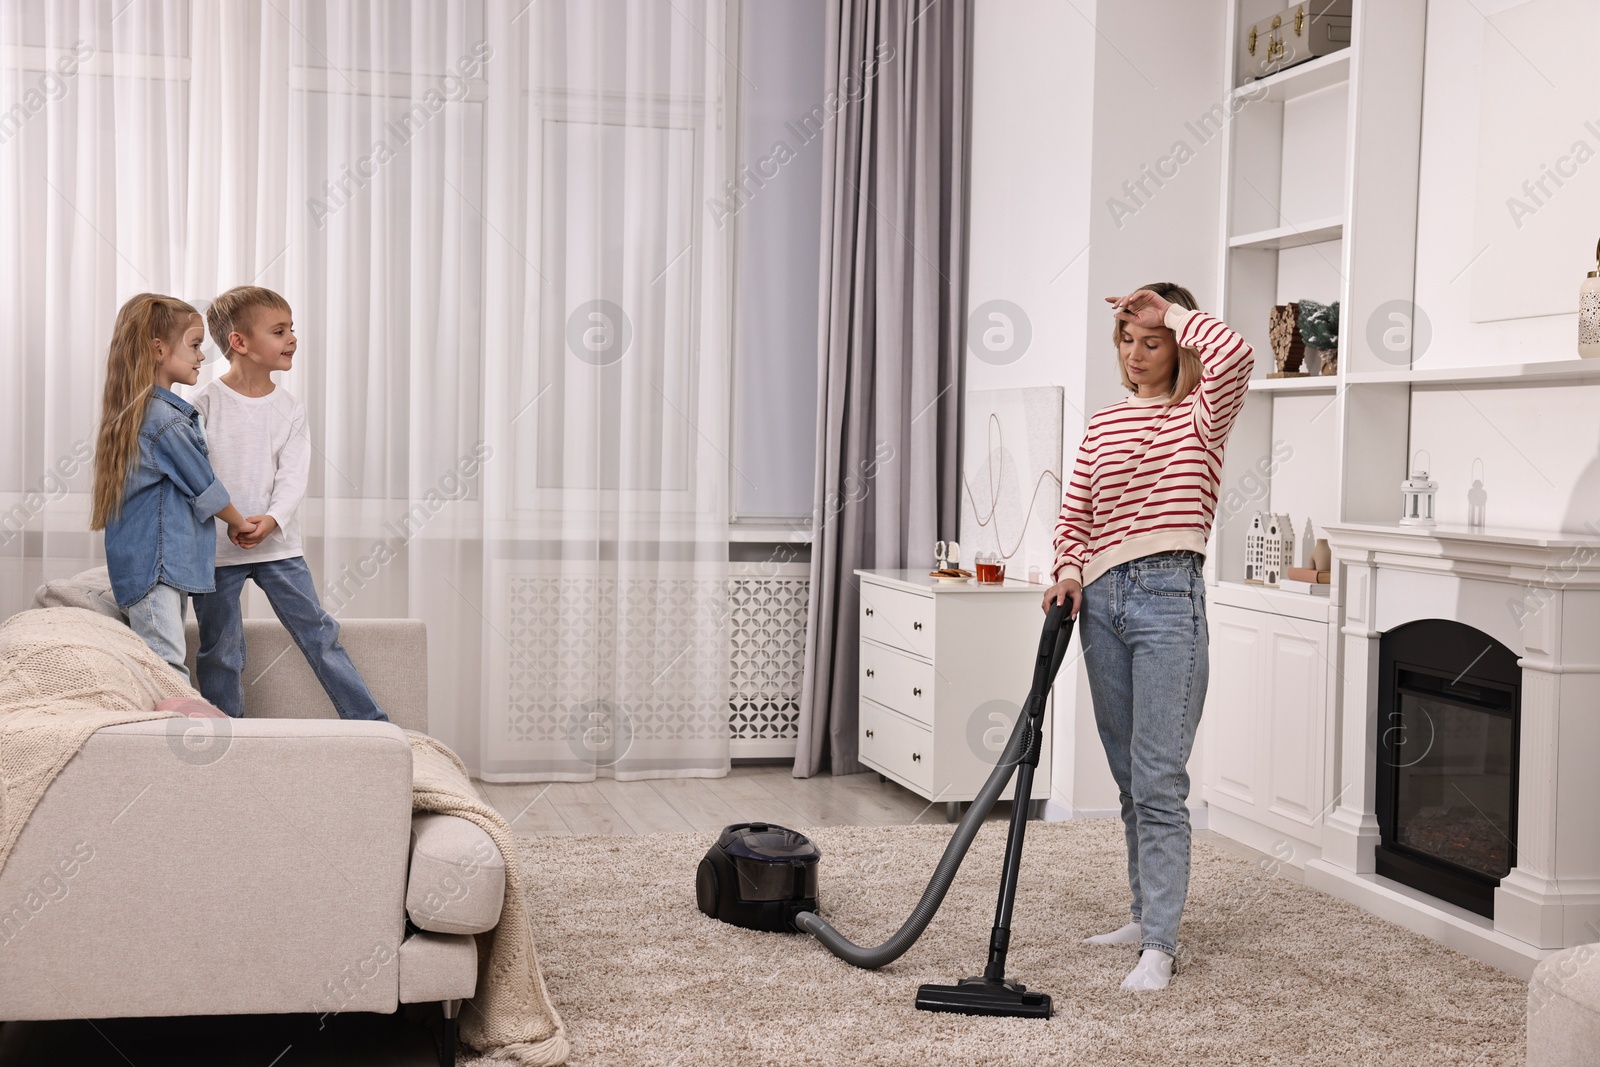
column 1295, row 655
column 1266, row 722
column 1233, row 704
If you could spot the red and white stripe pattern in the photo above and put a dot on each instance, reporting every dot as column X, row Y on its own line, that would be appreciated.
column 1146, row 476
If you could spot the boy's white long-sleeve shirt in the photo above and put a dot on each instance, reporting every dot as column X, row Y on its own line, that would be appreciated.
column 261, row 452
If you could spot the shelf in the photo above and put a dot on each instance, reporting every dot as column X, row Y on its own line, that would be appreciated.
column 1313, row 384
column 1507, row 536
column 1308, row 77
column 1555, row 370
column 1291, row 236
column 1271, row 599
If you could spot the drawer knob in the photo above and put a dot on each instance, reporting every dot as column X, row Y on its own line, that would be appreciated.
column 916, row 757
column 916, row 626
column 869, row 733
column 869, row 611
column 869, row 672
column 916, row 691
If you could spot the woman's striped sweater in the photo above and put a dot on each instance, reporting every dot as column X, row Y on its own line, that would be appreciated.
column 1146, row 476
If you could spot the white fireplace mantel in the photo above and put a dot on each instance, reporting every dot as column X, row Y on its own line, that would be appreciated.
column 1538, row 593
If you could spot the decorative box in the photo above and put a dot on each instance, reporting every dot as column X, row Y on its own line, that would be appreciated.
column 1294, row 35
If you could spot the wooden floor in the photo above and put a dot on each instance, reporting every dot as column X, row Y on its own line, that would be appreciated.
column 763, row 792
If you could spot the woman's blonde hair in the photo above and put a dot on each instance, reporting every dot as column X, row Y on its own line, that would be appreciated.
column 130, row 377
column 1190, row 366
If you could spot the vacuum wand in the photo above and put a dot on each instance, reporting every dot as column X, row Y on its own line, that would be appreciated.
column 1021, row 755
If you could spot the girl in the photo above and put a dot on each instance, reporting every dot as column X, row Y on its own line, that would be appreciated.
column 154, row 493
column 1129, row 545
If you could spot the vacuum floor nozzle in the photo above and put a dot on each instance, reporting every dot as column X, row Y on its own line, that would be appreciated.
column 981, row 996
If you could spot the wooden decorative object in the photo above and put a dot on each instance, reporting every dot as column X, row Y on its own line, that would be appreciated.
column 1322, row 557
column 1288, row 348
column 1308, row 574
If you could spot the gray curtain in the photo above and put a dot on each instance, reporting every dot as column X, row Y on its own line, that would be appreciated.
column 893, row 293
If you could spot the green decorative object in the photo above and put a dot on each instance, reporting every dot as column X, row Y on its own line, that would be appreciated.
column 1319, row 328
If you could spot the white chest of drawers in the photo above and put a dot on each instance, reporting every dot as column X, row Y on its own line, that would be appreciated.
column 944, row 671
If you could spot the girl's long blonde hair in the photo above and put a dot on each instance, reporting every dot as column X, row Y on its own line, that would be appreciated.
column 1190, row 366
column 130, row 377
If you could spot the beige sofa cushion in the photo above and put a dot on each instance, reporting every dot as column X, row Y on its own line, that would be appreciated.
column 458, row 878
column 438, row 967
column 1564, row 1009
column 391, row 654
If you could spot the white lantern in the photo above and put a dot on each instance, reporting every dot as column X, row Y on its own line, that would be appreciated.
column 1416, row 496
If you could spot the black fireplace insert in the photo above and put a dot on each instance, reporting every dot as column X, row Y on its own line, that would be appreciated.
column 1447, row 761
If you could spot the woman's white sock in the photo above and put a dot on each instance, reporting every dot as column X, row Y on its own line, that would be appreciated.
column 1153, row 971
column 1122, row 935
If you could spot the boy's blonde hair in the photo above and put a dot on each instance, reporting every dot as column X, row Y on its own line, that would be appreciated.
column 233, row 310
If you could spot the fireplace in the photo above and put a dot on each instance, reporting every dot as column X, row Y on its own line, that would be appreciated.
column 1538, row 596
column 1448, row 701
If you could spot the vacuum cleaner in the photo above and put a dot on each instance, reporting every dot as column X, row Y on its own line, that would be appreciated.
column 764, row 877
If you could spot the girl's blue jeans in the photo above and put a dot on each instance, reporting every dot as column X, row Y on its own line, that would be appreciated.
column 1144, row 639
column 158, row 618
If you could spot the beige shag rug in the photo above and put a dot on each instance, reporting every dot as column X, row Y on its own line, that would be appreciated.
column 1270, row 972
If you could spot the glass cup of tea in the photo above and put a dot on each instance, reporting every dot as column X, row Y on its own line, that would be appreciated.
column 991, row 569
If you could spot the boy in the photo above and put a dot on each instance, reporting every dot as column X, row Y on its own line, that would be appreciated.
column 261, row 450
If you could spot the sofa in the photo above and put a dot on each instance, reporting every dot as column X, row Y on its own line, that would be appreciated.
column 268, row 864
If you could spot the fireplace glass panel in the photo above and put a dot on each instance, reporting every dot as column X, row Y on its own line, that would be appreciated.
column 1454, row 783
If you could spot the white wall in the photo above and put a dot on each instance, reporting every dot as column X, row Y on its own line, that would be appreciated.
column 1155, row 75
column 1032, row 87
column 1537, row 447
column 1071, row 100
column 1447, row 240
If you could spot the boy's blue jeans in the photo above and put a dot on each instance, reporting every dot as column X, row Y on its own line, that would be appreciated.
column 219, row 663
column 1143, row 633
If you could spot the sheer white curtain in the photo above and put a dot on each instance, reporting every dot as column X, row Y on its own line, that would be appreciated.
column 512, row 306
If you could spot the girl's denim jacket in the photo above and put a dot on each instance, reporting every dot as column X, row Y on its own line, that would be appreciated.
column 165, row 530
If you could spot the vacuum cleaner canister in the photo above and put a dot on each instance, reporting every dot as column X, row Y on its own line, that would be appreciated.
column 759, row 876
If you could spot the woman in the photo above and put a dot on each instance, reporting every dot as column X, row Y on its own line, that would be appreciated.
column 1129, row 545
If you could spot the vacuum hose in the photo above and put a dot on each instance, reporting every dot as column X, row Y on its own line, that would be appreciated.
column 1052, row 650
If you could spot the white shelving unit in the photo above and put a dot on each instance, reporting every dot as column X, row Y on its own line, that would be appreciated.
column 1556, row 370
column 1299, row 80
column 1319, row 202
column 1291, row 236
column 1314, row 384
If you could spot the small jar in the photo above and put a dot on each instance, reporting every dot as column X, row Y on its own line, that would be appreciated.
column 1589, row 313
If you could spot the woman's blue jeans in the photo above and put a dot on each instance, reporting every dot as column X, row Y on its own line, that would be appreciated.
column 1143, row 634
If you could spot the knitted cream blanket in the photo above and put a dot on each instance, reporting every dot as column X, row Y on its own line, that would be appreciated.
column 511, row 1017
column 65, row 673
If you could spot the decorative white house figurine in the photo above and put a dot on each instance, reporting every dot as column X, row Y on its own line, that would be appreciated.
column 1254, row 543
column 1277, row 552
column 1268, row 548
column 1416, row 495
